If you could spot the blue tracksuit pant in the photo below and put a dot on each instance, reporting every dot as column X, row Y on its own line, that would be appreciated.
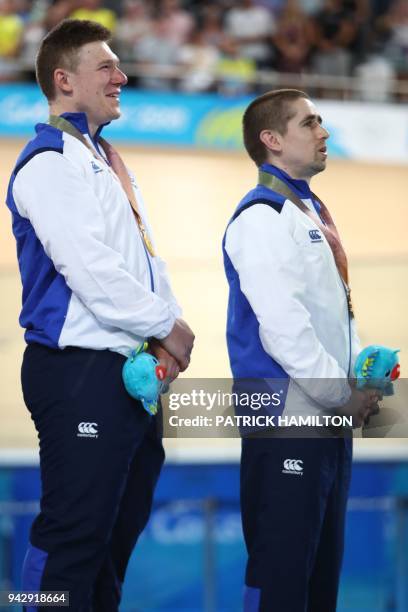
column 293, row 501
column 100, row 458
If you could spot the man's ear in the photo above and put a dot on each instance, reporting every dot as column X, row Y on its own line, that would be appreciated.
column 62, row 81
column 272, row 140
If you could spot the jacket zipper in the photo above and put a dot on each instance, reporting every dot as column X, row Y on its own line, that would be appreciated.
column 150, row 267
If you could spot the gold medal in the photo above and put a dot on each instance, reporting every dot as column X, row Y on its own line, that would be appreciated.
column 350, row 303
column 145, row 236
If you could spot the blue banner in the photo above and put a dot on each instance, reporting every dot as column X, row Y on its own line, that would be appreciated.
column 147, row 118
column 191, row 557
column 357, row 131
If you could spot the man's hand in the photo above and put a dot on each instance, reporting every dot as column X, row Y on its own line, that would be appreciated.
column 165, row 359
column 376, row 397
column 361, row 405
column 179, row 343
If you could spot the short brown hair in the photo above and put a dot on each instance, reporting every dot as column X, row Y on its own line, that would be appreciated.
column 59, row 49
column 271, row 111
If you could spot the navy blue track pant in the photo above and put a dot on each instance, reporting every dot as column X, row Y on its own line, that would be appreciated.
column 293, row 519
column 100, row 458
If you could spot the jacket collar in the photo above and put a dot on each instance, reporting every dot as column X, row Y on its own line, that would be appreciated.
column 299, row 186
column 80, row 121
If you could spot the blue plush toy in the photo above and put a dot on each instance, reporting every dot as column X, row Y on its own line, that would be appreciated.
column 377, row 367
column 143, row 377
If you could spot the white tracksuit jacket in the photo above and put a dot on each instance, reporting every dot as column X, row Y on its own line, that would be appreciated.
column 288, row 315
column 88, row 280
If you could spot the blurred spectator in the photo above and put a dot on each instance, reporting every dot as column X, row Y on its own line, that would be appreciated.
column 22, row 8
column 232, row 38
column 135, row 23
column 360, row 13
column 59, row 10
column 91, row 9
column 394, row 25
column 36, row 26
column 277, row 6
column 335, row 32
column 11, row 35
column 11, row 29
column 210, row 23
column 312, row 6
column 200, row 59
column 176, row 24
column 34, row 32
column 251, row 27
column 159, row 55
column 376, row 75
column 38, row 10
column 293, row 39
column 235, row 73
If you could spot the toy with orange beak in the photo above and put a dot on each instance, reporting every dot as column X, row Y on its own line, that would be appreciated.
column 144, row 378
column 377, row 367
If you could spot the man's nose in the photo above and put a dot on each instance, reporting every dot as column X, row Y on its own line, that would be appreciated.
column 324, row 133
column 120, row 77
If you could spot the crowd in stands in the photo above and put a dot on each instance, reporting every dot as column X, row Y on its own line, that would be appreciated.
column 224, row 45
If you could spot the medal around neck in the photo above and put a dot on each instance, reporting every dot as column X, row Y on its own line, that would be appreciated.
column 144, row 378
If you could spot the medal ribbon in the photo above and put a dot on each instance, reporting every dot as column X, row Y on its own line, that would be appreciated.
column 326, row 225
column 117, row 165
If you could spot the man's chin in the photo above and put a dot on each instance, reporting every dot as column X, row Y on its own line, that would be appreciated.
column 113, row 114
column 109, row 118
column 116, row 114
column 318, row 167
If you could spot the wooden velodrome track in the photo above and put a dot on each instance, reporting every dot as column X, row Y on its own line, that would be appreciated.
column 190, row 196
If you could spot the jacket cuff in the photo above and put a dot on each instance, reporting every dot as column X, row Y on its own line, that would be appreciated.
column 168, row 326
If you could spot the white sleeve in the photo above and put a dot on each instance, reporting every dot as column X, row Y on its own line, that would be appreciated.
column 66, row 216
column 271, row 273
column 165, row 289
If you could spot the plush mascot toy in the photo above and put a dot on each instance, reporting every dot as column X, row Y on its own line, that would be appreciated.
column 377, row 367
column 144, row 378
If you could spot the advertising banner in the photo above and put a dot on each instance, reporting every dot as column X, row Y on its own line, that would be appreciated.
column 191, row 557
column 364, row 132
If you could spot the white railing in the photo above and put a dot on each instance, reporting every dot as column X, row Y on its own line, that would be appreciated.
column 343, row 87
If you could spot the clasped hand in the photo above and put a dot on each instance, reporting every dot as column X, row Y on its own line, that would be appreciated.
column 362, row 405
column 174, row 351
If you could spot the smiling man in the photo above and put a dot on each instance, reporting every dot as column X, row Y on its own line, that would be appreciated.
column 290, row 319
column 93, row 290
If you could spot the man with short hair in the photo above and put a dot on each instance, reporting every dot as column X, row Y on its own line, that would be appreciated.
column 290, row 320
column 93, row 290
